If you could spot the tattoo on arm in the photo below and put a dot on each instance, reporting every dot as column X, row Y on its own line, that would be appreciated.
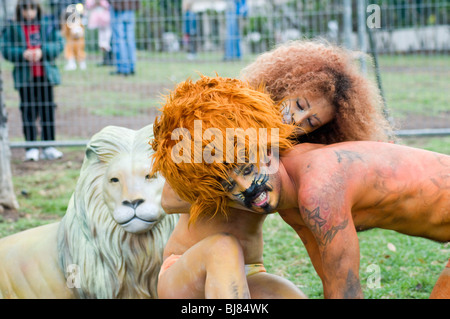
column 318, row 224
column 353, row 286
column 348, row 155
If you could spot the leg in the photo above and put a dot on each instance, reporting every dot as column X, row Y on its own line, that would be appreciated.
column 104, row 38
column 130, row 42
column 119, row 40
column 212, row 268
column 69, row 54
column 442, row 288
column 268, row 286
column 29, row 111
column 68, row 49
column 46, row 110
column 81, row 54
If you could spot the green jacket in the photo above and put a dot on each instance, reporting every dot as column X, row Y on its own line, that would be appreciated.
column 13, row 45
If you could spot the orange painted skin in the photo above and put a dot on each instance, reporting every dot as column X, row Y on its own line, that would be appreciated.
column 442, row 288
column 328, row 193
column 213, row 253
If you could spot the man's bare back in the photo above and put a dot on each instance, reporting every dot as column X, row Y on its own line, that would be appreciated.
column 387, row 186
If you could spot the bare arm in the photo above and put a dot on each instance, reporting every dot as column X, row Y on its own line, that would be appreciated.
column 172, row 203
column 331, row 226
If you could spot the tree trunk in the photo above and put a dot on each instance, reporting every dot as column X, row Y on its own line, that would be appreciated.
column 7, row 197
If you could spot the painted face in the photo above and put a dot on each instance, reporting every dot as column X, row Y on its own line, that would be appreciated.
column 309, row 112
column 255, row 190
column 29, row 12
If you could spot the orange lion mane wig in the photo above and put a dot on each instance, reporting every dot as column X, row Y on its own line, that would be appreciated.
column 313, row 66
column 219, row 103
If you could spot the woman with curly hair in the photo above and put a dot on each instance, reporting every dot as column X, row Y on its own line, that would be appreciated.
column 323, row 92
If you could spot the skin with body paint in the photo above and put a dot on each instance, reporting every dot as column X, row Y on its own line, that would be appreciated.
column 328, row 193
column 254, row 189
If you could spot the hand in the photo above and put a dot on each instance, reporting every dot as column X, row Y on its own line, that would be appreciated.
column 27, row 55
column 32, row 55
column 36, row 55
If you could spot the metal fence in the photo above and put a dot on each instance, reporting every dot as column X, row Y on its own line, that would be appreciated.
column 409, row 39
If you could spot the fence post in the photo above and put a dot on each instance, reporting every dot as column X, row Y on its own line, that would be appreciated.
column 362, row 33
column 347, row 17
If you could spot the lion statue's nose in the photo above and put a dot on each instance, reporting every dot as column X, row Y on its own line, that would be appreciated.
column 133, row 204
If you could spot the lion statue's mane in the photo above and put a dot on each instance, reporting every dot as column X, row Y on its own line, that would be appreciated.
column 112, row 263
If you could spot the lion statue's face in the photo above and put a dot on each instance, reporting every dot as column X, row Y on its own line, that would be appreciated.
column 132, row 196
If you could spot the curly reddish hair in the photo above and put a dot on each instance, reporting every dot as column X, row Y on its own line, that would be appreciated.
column 312, row 66
column 220, row 104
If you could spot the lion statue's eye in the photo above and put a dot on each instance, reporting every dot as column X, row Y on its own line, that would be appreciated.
column 149, row 177
column 114, row 180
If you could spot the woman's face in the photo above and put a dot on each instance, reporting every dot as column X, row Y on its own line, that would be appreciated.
column 308, row 111
column 29, row 12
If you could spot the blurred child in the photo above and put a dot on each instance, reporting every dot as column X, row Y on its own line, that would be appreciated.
column 73, row 31
column 100, row 18
column 33, row 45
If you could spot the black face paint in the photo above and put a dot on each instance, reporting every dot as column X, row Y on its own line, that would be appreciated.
column 256, row 188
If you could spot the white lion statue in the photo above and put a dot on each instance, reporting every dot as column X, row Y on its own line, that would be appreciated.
column 110, row 242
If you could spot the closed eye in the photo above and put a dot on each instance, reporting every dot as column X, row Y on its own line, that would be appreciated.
column 299, row 105
column 229, row 186
column 310, row 122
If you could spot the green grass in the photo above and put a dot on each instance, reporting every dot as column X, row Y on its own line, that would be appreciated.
column 102, row 94
column 415, row 84
column 441, row 144
column 43, row 194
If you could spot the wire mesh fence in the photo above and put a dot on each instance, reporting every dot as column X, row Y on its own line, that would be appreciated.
column 103, row 82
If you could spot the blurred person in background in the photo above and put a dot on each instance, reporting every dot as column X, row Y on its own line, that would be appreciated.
column 190, row 31
column 73, row 31
column 32, row 44
column 99, row 17
column 123, row 20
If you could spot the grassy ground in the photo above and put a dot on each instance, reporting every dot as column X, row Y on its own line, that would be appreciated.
column 408, row 267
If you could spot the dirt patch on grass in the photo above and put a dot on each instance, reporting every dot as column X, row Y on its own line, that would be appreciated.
column 71, row 159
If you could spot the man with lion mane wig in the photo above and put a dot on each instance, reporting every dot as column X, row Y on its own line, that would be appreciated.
column 215, row 252
column 326, row 193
